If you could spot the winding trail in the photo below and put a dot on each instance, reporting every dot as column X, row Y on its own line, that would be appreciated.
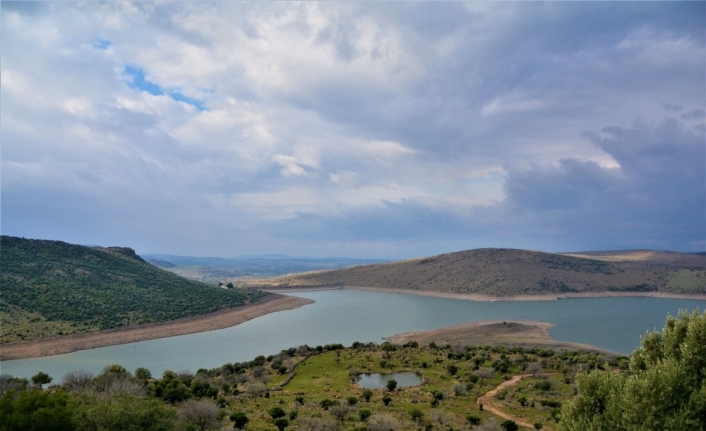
column 487, row 398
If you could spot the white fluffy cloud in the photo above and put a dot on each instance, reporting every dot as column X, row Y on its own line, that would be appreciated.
column 367, row 129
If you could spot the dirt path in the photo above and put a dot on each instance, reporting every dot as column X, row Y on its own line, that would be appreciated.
column 487, row 398
column 91, row 340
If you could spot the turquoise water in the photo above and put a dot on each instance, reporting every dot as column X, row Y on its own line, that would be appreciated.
column 376, row 380
column 345, row 316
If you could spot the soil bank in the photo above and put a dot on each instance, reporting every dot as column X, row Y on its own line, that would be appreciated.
column 493, row 332
column 479, row 297
column 91, row 340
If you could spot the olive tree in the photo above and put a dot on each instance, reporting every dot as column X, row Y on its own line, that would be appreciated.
column 665, row 388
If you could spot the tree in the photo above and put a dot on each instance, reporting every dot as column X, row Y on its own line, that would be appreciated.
column 485, row 373
column 143, row 373
column 383, row 422
column 35, row 410
column 509, row 425
column 367, row 394
column 281, row 423
column 78, row 381
column 391, row 385
column 326, row 403
column 473, row 419
column 202, row 415
column 364, row 414
column 240, row 419
column 416, row 414
column 340, row 412
column 665, row 388
column 277, row 412
column 41, row 378
column 121, row 412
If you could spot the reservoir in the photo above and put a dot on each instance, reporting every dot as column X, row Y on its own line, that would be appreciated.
column 346, row 316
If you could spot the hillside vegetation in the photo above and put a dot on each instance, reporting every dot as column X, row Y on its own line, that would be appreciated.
column 461, row 387
column 506, row 272
column 55, row 288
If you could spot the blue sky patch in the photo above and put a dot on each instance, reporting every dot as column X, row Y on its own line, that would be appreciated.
column 138, row 80
column 101, row 44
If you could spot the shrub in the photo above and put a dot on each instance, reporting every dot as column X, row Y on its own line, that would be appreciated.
column 473, row 419
column 276, row 412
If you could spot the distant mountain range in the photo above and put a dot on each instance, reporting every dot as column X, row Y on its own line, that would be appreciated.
column 218, row 269
column 54, row 288
column 509, row 272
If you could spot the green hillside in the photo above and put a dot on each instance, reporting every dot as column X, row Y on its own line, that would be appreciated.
column 54, row 288
column 508, row 272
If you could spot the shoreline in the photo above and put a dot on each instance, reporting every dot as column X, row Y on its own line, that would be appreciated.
column 491, row 298
column 190, row 325
column 526, row 333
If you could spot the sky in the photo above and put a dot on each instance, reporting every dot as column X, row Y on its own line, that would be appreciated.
column 359, row 129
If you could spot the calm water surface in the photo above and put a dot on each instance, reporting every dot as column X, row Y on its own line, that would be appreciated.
column 376, row 380
column 345, row 316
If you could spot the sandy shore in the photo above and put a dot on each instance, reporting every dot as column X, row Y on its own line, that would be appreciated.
column 547, row 297
column 493, row 332
column 91, row 340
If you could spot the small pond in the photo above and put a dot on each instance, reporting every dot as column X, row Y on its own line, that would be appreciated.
column 377, row 380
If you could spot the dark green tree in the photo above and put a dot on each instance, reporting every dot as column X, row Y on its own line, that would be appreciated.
column 281, row 423
column 35, row 410
column 240, row 419
column 41, row 378
column 277, row 412
column 473, row 419
column 143, row 373
column 364, row 414
column 391, row 385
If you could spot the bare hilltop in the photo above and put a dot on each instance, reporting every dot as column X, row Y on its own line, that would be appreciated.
column 517, row 273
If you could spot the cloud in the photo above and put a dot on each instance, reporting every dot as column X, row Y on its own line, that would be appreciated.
column 367, row 129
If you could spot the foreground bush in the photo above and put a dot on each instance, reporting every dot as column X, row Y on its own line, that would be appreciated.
column 664, row 390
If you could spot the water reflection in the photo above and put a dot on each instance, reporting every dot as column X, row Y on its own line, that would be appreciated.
column 377, row 380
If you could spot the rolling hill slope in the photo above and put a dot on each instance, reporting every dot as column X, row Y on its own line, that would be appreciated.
column 54, row 288
column 507, row 272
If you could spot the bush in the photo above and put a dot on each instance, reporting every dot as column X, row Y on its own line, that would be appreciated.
column 240, row 420
column 664, row 391
column 276, row 412
column 281, row 423
column 326, row 403
column 473, row 419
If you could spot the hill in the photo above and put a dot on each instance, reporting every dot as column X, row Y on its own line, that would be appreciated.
column 55, row 288
column 508, row 272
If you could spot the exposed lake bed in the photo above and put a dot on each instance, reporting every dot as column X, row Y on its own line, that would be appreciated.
column 346, row 316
